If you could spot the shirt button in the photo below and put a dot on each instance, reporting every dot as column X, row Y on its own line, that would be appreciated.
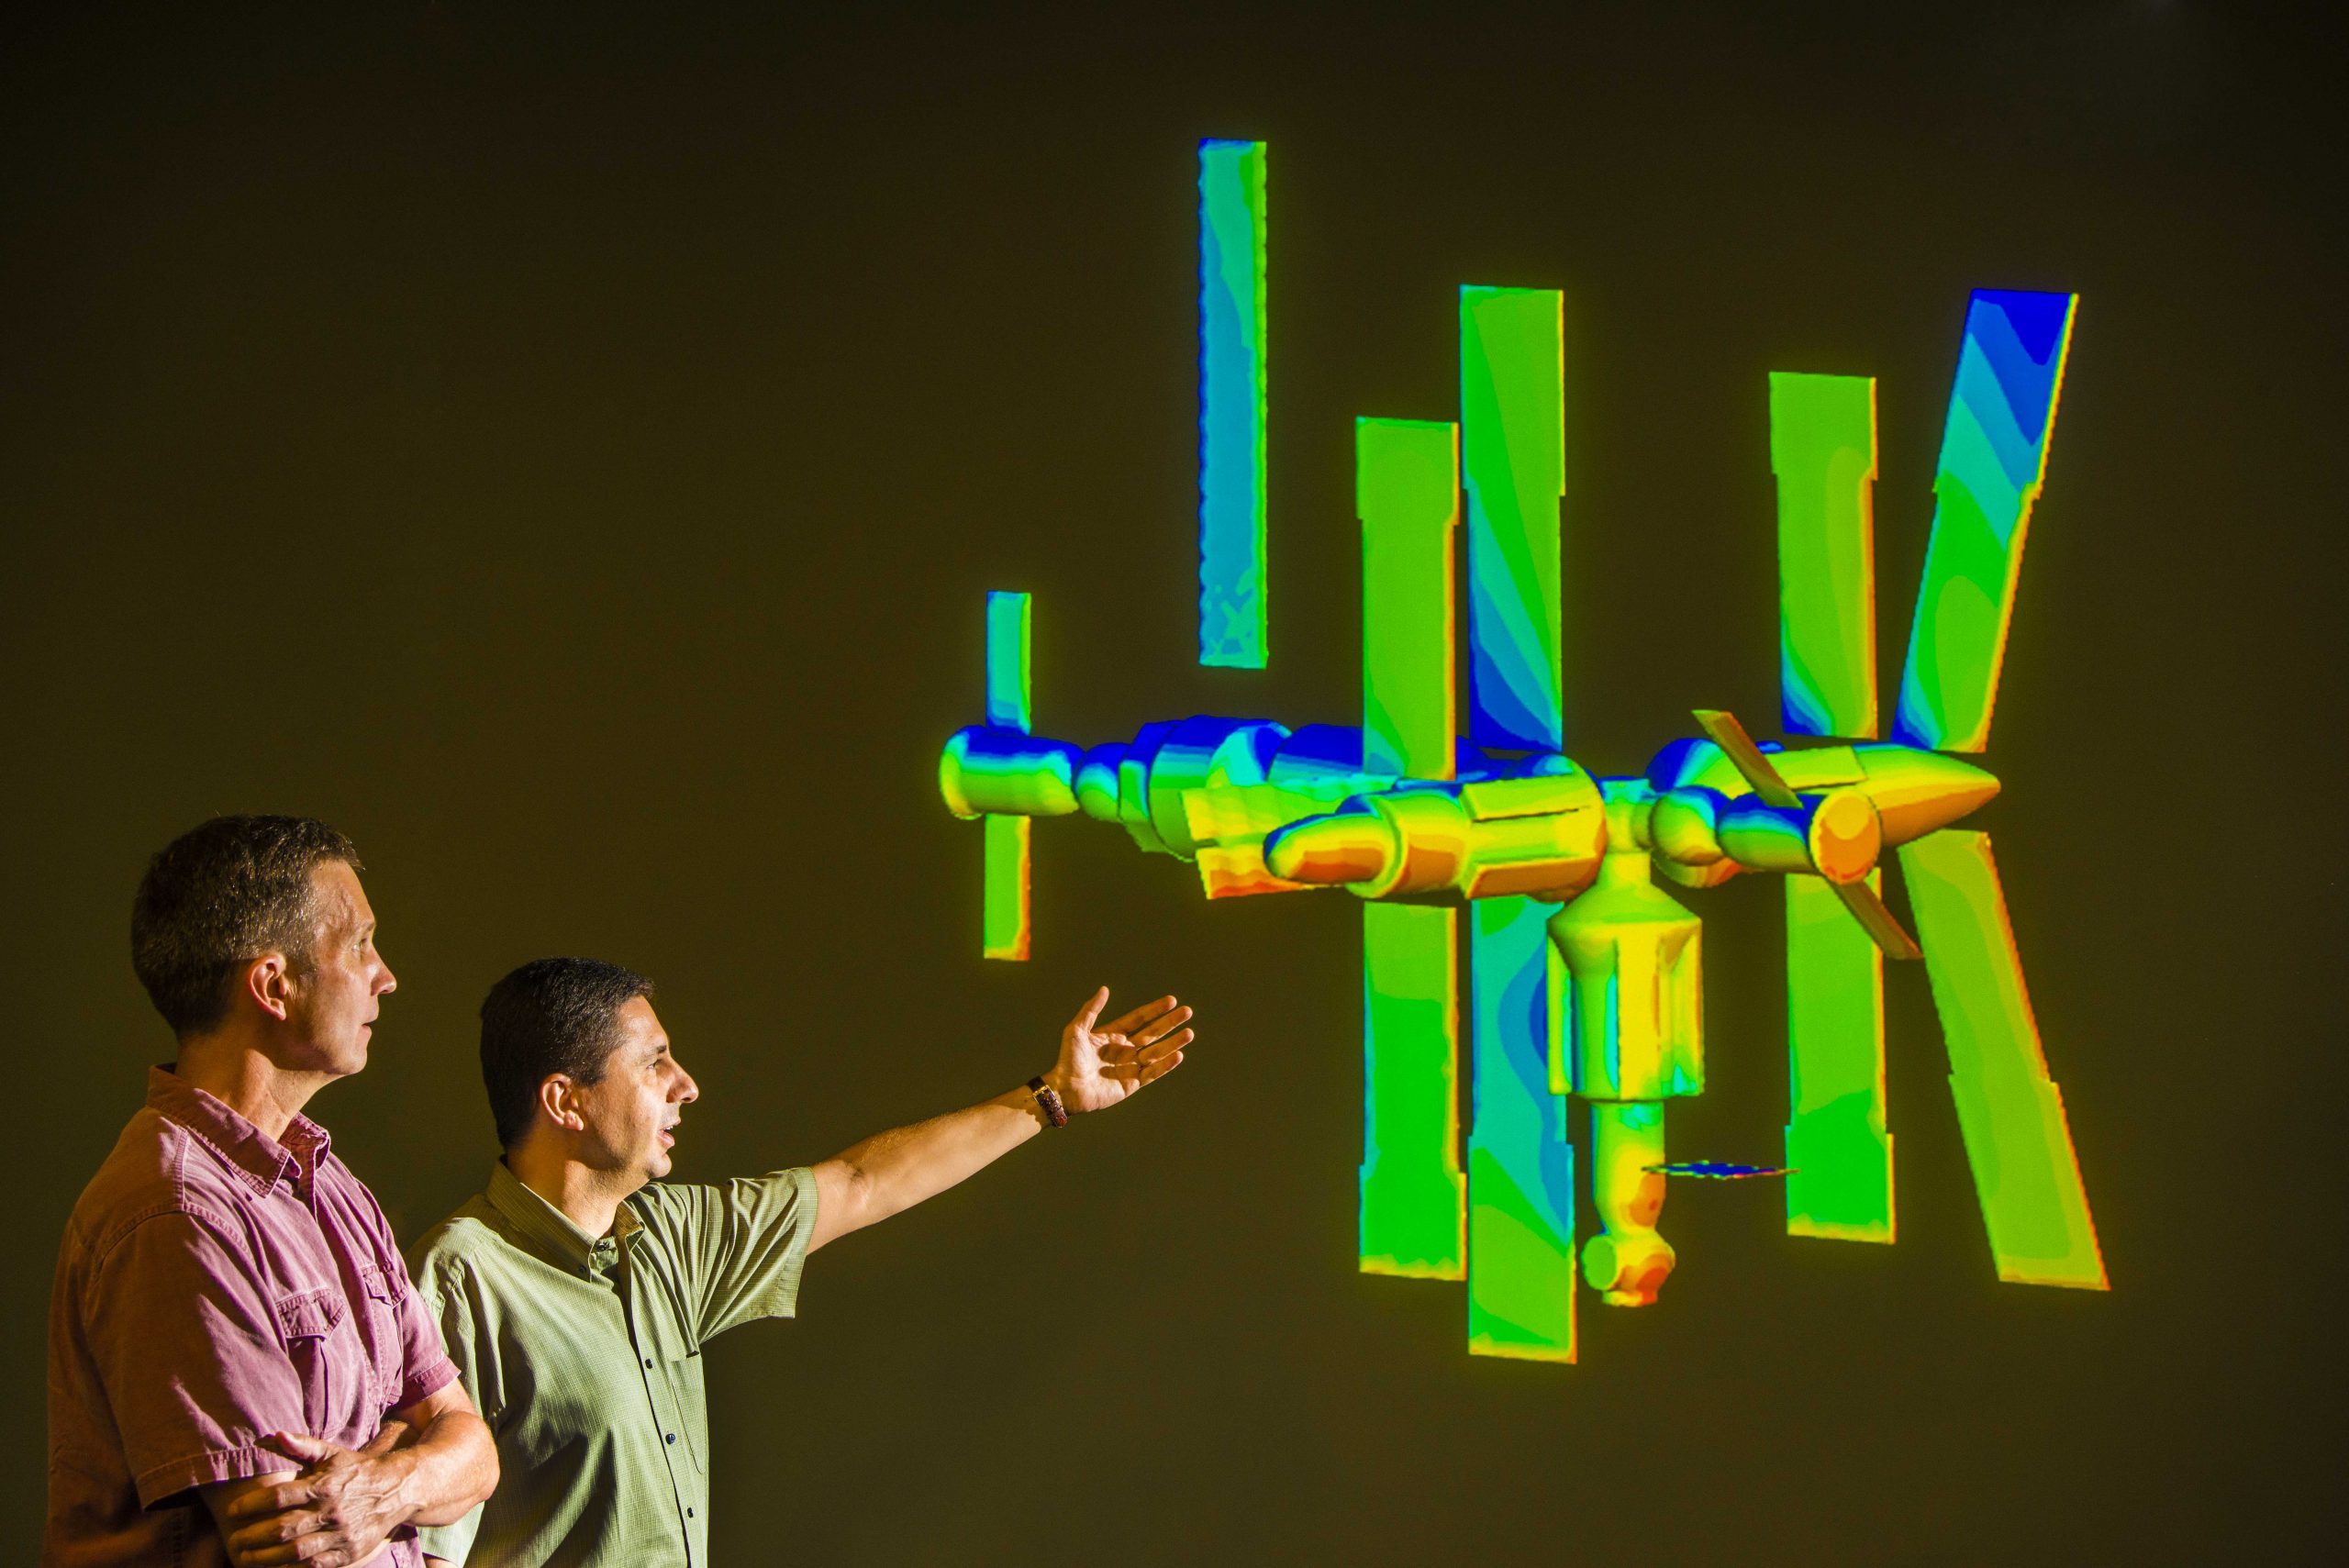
column 648, row 1364
column 689, row 1513
column 668, row 1437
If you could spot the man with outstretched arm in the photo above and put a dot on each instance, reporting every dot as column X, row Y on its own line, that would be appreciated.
column 577, row 1290
column 239, row 1371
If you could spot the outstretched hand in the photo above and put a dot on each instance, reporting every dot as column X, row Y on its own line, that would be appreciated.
column 1102, row 1063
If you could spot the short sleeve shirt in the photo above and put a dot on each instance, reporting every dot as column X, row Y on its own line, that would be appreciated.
column 215, row 1285
column 583, row 1354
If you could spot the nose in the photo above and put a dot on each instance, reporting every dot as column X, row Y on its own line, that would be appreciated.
column 386, row 980
column 685, row 1091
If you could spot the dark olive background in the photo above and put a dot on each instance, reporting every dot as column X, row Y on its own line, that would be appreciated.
column 565, row 448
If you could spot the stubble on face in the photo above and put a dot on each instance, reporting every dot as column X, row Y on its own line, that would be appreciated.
column 635, row 1107
column 338, row 994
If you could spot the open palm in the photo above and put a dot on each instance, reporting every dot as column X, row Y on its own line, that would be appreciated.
column 1102, row 1063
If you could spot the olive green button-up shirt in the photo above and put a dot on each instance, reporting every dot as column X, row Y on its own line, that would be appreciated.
column 583, row 1354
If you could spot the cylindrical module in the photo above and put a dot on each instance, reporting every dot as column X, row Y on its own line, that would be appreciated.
column 1627, row 1261
column 1635, row 1025
column 986, row 769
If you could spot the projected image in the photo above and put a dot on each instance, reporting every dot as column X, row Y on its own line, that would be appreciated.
column 1231, row 405
column 1585, row 975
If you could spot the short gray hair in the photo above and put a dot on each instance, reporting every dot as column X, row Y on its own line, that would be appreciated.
column 221, row 896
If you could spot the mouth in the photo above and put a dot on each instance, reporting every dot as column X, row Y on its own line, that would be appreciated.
column 669, row 1135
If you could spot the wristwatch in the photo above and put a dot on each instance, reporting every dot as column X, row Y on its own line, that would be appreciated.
column 1048, row 1102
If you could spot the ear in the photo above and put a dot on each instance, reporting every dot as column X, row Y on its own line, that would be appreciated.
column 557, row 1093
column 269, row 983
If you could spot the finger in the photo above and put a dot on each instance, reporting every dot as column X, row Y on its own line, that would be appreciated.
column 298, row 1445
column 322, row 1549
column 1091, row 1010
column 1127, row 1023
column 274, row 1500
column 276, row 1529
column 1159, row 1027
column 295, row 1525
column 1172, row 1045
column 1144, row 1068
column 1154, row 1071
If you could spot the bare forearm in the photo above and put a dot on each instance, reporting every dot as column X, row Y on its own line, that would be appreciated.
column 1098, row 1067
column 452, row 1465
column 892, row 1171
column 431, row 1462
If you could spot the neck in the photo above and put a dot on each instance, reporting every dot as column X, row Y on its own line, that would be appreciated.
column 239, row 1074
column 588, row 1197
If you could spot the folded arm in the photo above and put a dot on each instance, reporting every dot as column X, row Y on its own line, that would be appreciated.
column 431, row 1462
column 1098, row 1066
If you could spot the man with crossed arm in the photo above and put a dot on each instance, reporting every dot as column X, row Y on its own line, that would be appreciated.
column 577, row 1290
column 238, row 1369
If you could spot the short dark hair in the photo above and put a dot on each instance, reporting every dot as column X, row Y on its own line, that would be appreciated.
column 218, row 896
column 552, row 1015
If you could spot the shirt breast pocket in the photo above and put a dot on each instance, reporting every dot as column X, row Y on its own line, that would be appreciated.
column 306, row 1322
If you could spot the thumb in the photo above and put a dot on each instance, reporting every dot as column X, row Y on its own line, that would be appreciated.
column 299, row 1446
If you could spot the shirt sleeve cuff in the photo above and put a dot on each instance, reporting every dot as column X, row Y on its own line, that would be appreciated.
column 780, row 1298
column 423, row 1384
column 167, row 1480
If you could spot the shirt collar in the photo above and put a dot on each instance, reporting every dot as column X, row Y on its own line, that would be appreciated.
column 553, row 1233
column 259, row 1160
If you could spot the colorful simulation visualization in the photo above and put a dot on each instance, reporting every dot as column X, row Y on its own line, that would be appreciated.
column 1583, row 956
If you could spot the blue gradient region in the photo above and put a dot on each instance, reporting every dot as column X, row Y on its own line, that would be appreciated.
column 1231, row 405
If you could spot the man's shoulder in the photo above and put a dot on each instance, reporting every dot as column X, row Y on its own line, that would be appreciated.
column 686, row 1216
column 663, row 1200
column 444, row 1256
column 655, row 1202
column 667, row 1215
column 155, row 1169
column 672, row 1210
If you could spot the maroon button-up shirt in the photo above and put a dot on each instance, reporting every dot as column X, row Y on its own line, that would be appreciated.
column 217, row 1286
